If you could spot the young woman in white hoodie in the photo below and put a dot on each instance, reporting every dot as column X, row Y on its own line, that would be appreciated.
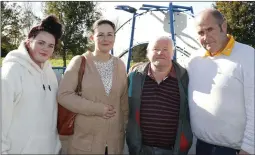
column 29, row 87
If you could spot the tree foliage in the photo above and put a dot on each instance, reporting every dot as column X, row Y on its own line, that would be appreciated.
column 139, row 53
column 28, row 18
column 77, row 18
column 10, row 34
column 240, row 16
column 16, row 21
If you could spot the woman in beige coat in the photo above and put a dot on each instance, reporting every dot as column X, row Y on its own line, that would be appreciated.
column 102, row 109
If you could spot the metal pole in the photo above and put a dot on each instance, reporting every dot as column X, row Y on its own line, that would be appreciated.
column 181, row 7
column 191, row 10
column 131, row 41
column 171, row 16
column 153, row 6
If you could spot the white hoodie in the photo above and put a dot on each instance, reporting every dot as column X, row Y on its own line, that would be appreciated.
column 29, row 106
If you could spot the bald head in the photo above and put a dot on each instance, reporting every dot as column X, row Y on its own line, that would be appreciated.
column 211, row 28
column 208, row 13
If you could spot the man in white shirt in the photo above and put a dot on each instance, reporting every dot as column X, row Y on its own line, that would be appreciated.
column 221, row 90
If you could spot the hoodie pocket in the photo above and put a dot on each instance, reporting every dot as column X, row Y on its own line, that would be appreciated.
column 45, row 144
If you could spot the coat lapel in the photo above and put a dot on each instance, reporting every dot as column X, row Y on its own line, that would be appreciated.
column 100, row 84
column 114, row 77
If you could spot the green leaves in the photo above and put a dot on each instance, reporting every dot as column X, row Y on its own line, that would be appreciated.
column 16, row 21
column 10, row 34
column 240, row 16
column 77, row 18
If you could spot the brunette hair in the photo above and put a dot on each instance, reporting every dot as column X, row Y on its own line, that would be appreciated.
column 101, row 22
column 51, row 25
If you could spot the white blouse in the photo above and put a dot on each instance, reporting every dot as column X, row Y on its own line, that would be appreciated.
column 105, row 70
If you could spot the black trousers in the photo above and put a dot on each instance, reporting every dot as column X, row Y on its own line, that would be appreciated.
column 203, row 148
column 148, row 150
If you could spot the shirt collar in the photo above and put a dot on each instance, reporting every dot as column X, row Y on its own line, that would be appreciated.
column 227, row 50
column 172, row 72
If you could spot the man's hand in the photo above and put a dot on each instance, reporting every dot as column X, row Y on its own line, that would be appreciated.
column 108, row 111
column 242, row 152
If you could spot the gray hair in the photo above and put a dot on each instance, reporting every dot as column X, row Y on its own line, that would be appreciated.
column 157, row 38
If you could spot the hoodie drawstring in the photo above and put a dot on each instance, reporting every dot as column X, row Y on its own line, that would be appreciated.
column 42, row 81
column 48, row 83
column 44, row 88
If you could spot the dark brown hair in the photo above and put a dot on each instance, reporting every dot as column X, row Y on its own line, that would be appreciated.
column 51, row 25
column 101, row 22
column 218, row 16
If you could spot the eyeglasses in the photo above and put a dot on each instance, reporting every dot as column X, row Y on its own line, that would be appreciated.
column 103, row 37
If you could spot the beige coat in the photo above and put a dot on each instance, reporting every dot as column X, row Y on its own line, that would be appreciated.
column 92, row 131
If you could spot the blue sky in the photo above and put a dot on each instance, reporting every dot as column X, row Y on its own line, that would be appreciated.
column 197, row 6
column 110, row 13
column 108, row 7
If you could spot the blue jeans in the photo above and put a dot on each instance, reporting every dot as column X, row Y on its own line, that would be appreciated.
column 148, row 150
column 203, row 148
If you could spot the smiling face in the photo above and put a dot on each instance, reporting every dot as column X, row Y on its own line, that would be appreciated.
column 41, row 47
column 160, row 52
column 211, row 33
column 104, row 38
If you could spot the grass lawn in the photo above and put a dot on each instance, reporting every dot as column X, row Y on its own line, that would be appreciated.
column 55, row 62
column 59, row 62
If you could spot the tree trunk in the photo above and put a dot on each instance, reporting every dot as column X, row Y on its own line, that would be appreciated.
column 64, row 56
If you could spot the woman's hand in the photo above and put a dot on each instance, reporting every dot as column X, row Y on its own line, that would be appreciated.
column 109, row 111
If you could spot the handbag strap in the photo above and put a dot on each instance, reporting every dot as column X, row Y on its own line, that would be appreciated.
column 80, row 75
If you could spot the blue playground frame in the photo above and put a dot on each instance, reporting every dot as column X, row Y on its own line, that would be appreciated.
column 171, row 9
column 59, row 70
